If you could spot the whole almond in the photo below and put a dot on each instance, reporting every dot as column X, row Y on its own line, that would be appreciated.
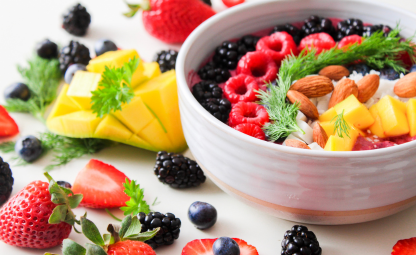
column 305, row 105
column 367, row 87
column 314, row 86
column 296, row 144
column 344, row 89
column 406, row 86
column 319, row 135
column 334, row 72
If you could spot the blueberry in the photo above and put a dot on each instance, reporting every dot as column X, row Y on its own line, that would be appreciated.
column 359, row 68
column 64, row 184
column 17, row 90
column 413, row 69
column 104, row 45
column 47, row 49
column 202, row 215
column 28, row 148
column 225, row 246
column 72, row 69
column 389, row 74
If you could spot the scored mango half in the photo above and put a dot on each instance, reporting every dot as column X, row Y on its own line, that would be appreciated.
column 150, row 121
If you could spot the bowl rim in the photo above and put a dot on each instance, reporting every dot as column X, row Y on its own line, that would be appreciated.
column 188, row 96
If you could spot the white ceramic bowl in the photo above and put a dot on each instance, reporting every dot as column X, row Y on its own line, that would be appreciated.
column 300, row 185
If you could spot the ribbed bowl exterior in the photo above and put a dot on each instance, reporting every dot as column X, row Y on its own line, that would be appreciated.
column 300, row 185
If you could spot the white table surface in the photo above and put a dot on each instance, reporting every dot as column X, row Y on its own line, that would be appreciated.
column 25, row 22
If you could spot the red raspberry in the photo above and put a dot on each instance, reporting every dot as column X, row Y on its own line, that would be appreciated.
column 248, row 112
column 259, row 65
column 278, row 46
column 319, row 41
column 241, row 88
column 251, row 130
column 349, row 40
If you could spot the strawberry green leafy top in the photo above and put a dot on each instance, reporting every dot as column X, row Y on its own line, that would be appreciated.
column 377, row 51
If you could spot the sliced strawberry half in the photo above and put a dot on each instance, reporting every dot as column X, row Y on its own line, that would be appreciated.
column 319, row 41
column 231, row 3
column 8, row 126
column 204, row 247
column 101, row 184
column 251, row 130
column 405, row 247
column 247, row 112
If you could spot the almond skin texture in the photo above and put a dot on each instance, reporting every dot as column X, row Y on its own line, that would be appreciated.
column 314, row 86
column 334, row 72
column 296, row 144
column 305, row 105
column 344, row 89
column 406, row 86
column 319, row 135
column 367, row 87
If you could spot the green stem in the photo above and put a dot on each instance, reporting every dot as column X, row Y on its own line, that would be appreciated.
column 112, row 215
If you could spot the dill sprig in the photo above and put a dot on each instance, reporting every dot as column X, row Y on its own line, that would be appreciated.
column 114, row 89
column 341, row 126
column 42, row 76
column 7, row 147
column 377, row 51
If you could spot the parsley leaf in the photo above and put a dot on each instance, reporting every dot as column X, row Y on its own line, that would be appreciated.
column 114, row 89
column 136, row 203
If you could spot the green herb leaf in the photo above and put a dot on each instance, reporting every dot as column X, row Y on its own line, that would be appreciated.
column 136, row 203
column 114, row 89
column 58, row 214
column 42, row 76
column 144, row 236
column 134, row 228
column 70, row 247
column 75, row 200
column 93, row 249
column 90, row 230
column 341, row 126
column 125, row 225
column 377, row 51
column 7, row 147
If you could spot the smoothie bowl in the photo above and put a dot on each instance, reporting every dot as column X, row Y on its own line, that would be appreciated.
column 333, row 166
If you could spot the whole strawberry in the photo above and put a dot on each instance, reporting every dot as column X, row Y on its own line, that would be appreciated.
column 36, row 219
column 171, row 21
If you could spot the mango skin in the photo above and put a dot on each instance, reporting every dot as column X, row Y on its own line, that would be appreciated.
column 393, row 116
column 411, row 116
column 150, row 121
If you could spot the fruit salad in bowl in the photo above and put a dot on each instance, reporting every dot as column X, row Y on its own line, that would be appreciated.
column 312, row 121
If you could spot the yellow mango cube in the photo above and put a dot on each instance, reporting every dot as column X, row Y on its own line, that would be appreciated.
column 110, row 127
column 328, row 115
column 377, row 127
column 393, row 119
column 117, row 59
column 411, row 116
column 128, row 115
column 81, row 86
column 64, row 104
column 151, row 70
column 355, row 112
column 329, row 127
column 82, row 123
column 336, row 143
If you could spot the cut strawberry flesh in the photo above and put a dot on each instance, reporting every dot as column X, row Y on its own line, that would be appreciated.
column 405, row 247
column 248, row 112
column 350, row 40
column 8, row 126
column 319, row 41
column 278, row 45
column 258, row 65
column 204, row 247
column 231, row 3
column 251, row 130
column 241, row 88
column 101, row 184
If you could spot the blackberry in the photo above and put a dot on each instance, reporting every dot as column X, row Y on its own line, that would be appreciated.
column 178, row 171
column 349, row 27
column 47, row 49
column 246, row 44
column 6, row 181
column 295, row 32
column 206, row 89
column 300, row 241
column 208, row 2
column 169, row 227
column 226, row 55
column 211, row 73
column 166, row 60
column 369, row 30
column 219, row 108
column 74, row 53
column 315, row 24
column 77, row 20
